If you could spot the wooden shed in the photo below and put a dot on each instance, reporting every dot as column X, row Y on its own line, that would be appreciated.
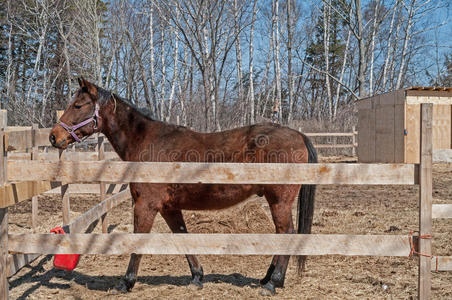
column 389, row 124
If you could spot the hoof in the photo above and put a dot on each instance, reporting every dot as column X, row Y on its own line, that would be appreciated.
column 121, row 288
column 268, row 289
column 264, row 280
column 195, row 285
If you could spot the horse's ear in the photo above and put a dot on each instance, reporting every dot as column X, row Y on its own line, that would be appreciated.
column 90, row 88
column 81, row 81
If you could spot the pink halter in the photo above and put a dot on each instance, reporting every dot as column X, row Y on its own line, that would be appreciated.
column 72, row 129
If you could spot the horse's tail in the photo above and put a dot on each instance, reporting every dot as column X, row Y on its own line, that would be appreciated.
column 306, row 203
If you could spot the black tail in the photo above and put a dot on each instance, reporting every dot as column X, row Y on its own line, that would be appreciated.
column 306, row 202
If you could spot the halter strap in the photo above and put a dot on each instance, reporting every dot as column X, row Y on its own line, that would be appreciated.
column 72, row 129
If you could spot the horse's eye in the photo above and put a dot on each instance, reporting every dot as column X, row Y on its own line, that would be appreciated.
column 77, row 106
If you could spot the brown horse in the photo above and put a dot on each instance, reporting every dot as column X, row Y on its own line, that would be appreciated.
column 137, row 137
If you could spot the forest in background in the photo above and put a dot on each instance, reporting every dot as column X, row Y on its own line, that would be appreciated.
column 214, row 65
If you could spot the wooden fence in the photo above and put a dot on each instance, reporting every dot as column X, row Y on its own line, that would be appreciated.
column 352, row 136
column 16, row 175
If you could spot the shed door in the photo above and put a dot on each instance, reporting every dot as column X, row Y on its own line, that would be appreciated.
column 412, row 128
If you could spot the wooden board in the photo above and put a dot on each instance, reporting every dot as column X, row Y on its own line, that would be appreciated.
column 441, row 263
column 384, row 129
column 320, row 146
column 442, row 211
column 71, row 156
column 435, row 98
column 327, row 134
column 442, row 127
column 92, row 215
column 442, row 156
column 366, row 129
column 90, row 188
column 425, row 201
column 363, row 136
column 412, row 139
column 13, row 193
column 18, row 261
column 177, row 172
column 4, row 244
column 399, row 136
column 22, row 140
column 216, row 244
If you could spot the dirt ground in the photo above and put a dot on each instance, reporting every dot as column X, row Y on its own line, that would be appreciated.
column 339, row 209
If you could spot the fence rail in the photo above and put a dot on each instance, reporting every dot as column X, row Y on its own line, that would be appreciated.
column 227, row 173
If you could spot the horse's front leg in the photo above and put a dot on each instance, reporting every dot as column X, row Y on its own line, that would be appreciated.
column 144, row 215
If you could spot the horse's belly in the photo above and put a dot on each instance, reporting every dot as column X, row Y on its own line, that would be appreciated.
column 213, row 196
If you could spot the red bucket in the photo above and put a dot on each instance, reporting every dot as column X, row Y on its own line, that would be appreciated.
column 66, row 262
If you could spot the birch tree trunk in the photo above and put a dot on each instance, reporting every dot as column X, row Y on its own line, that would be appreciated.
column 277, row 103
column 175, row 71
column 372, row 48
column 10, row 83
column 389, row 48
column 152, row 58
column 251, row 87
column 163, row 66
column 406, row 41
column 289, row 60
column 238, row 55
column 341, row 77
column 326, row 48
column 362, row 50
column 267, row 90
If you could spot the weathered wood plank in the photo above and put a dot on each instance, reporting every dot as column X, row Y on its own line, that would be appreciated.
column 4, row 288
column 92, row 215
column 442, row 156
column 314, row 134
column 22, row 140
column 101, row 156
column 13, row 193
column 412, row 126
column 70, row 156
column 441, row 211
column 4, row 253
column 228, row 173
column 90, row 188
column 18, row 261
column 66, row 204
column 429, row 99
column 441, row 263
column 425, row 201
column 235, row 244
column 319, row 146
column 441, row 126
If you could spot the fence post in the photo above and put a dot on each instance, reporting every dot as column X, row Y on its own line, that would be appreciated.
column 64, row 186
column 425, row 202
column 34, row 199
column 4, row 289
column 354, row 141
column 100, row 156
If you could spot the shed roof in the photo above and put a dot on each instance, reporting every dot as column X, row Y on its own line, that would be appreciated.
column 434, row 91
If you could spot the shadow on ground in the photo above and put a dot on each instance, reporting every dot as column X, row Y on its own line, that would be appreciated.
column 42, row 277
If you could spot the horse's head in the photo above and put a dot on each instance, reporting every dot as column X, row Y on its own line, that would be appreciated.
column 80, row 119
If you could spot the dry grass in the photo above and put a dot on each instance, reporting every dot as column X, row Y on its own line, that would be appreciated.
column 339, row 209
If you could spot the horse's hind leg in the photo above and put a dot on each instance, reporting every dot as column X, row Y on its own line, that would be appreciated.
column 176, row 223
column 282, row 217
column 143, row 220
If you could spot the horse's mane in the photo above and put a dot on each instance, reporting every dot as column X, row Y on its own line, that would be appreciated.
column 104, row 96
